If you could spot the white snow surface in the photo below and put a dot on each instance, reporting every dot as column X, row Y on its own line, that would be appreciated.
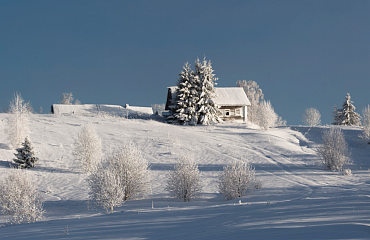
column 299, row 199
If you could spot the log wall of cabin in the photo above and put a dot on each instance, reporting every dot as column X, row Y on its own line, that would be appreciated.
column 233, row 113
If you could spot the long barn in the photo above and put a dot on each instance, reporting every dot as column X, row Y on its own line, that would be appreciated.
column 232, row 102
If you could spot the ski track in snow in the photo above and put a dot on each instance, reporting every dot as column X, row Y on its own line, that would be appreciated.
column 299, row 199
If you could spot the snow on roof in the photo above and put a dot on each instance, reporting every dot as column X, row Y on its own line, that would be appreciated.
column 231, row 96
column 94, row 108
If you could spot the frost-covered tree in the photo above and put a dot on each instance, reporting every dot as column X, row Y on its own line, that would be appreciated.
column 67, row 98
column 19, row 199
column 334, row 150
column 366, row 124
column 25, row 155
column 17, row 121
column 88, row 148
column 207, row 110
column 255, row 96
column 347, row 115
column 266, row 115
column 123, row 176
column 184, row 181
column 237, row 180
column 187, row 97
column 311, row 117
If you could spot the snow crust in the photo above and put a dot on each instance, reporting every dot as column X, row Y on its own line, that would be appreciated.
column 299, row 199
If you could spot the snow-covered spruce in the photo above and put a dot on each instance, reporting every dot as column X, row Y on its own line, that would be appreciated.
column 334, row 150
column 311, row 117
column 184, row 181
column 88, row 148
column 123, row 176
column 17, row 121
column 19, row 199
column 347, row 115
column 237, row 180
column 25, row 155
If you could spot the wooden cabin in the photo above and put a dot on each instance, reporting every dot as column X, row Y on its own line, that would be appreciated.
column 232, row 102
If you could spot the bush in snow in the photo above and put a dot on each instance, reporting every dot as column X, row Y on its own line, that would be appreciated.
column 311, row 117
column 123, row 176
column 255, row 96
column 67, row 98
column 366, row 124
column 333, row 151
column 25, row 156
column 88, row 147
column 184, row 182
column 266, row 115
column 347, row 172
column 347, row 115
column 17, row 121
column 19, row 198
column 237, row 180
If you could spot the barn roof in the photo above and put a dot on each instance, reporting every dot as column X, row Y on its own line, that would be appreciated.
column 225, row 96
column 93, row 108
column 231, row 96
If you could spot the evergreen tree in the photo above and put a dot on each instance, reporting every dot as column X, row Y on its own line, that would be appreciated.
column 25, row 156
column 207, row 110
column 347, row 115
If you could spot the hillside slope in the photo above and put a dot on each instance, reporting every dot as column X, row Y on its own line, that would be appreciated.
column 299, row 200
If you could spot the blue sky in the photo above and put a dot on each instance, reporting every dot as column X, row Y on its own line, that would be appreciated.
column 301, row 53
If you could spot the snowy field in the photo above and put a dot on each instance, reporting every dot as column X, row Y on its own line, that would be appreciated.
column 299, row 199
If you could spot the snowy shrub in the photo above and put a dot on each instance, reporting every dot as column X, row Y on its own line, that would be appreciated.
column 347, row 172
column 184, row 182
column 366, row 124
column 311, row 117
column 19, row 198
column 266, row 115
column 67, row 98
column 123, row 176
column 17, row 121
column 333, row 151
column 237, row 180
column 25, row 156
column 88, row 147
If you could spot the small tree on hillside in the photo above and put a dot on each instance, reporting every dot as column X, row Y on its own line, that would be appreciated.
column 19, row 199
column 25, row 156
column 237, row 180
column 255, row 96
column 184, row 182
column 334, row 150
column 366, row 124
column 17, row 121
column 347, row 115
column 88, row 148
column 266, row 115
column 67, row 98
column 311, row 117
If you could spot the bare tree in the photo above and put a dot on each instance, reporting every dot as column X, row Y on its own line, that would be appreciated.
column 19, row 198
column 184, row 182
column 311, row 117
column 366, row 124
column 255, row 96
column 237, row 180
column 88, row 147
column 67, row 98
column 124, row 175
column 266, row 115
column 18, row 121
column 334, row 150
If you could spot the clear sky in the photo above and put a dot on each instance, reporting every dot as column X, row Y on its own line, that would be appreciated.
column 301, row 53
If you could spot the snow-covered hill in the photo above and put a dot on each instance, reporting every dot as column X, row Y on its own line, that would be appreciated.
column 299, row 200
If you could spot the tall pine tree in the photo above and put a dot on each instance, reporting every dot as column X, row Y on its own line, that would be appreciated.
column 347, row 115
column 206, row 108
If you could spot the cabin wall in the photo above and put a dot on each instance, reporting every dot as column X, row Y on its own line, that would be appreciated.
column 233, row 113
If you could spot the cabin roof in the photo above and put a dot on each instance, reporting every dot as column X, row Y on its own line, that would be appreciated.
column 231, row 96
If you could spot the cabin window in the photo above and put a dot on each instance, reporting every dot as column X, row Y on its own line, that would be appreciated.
column 237, row 112
column 227, row 112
